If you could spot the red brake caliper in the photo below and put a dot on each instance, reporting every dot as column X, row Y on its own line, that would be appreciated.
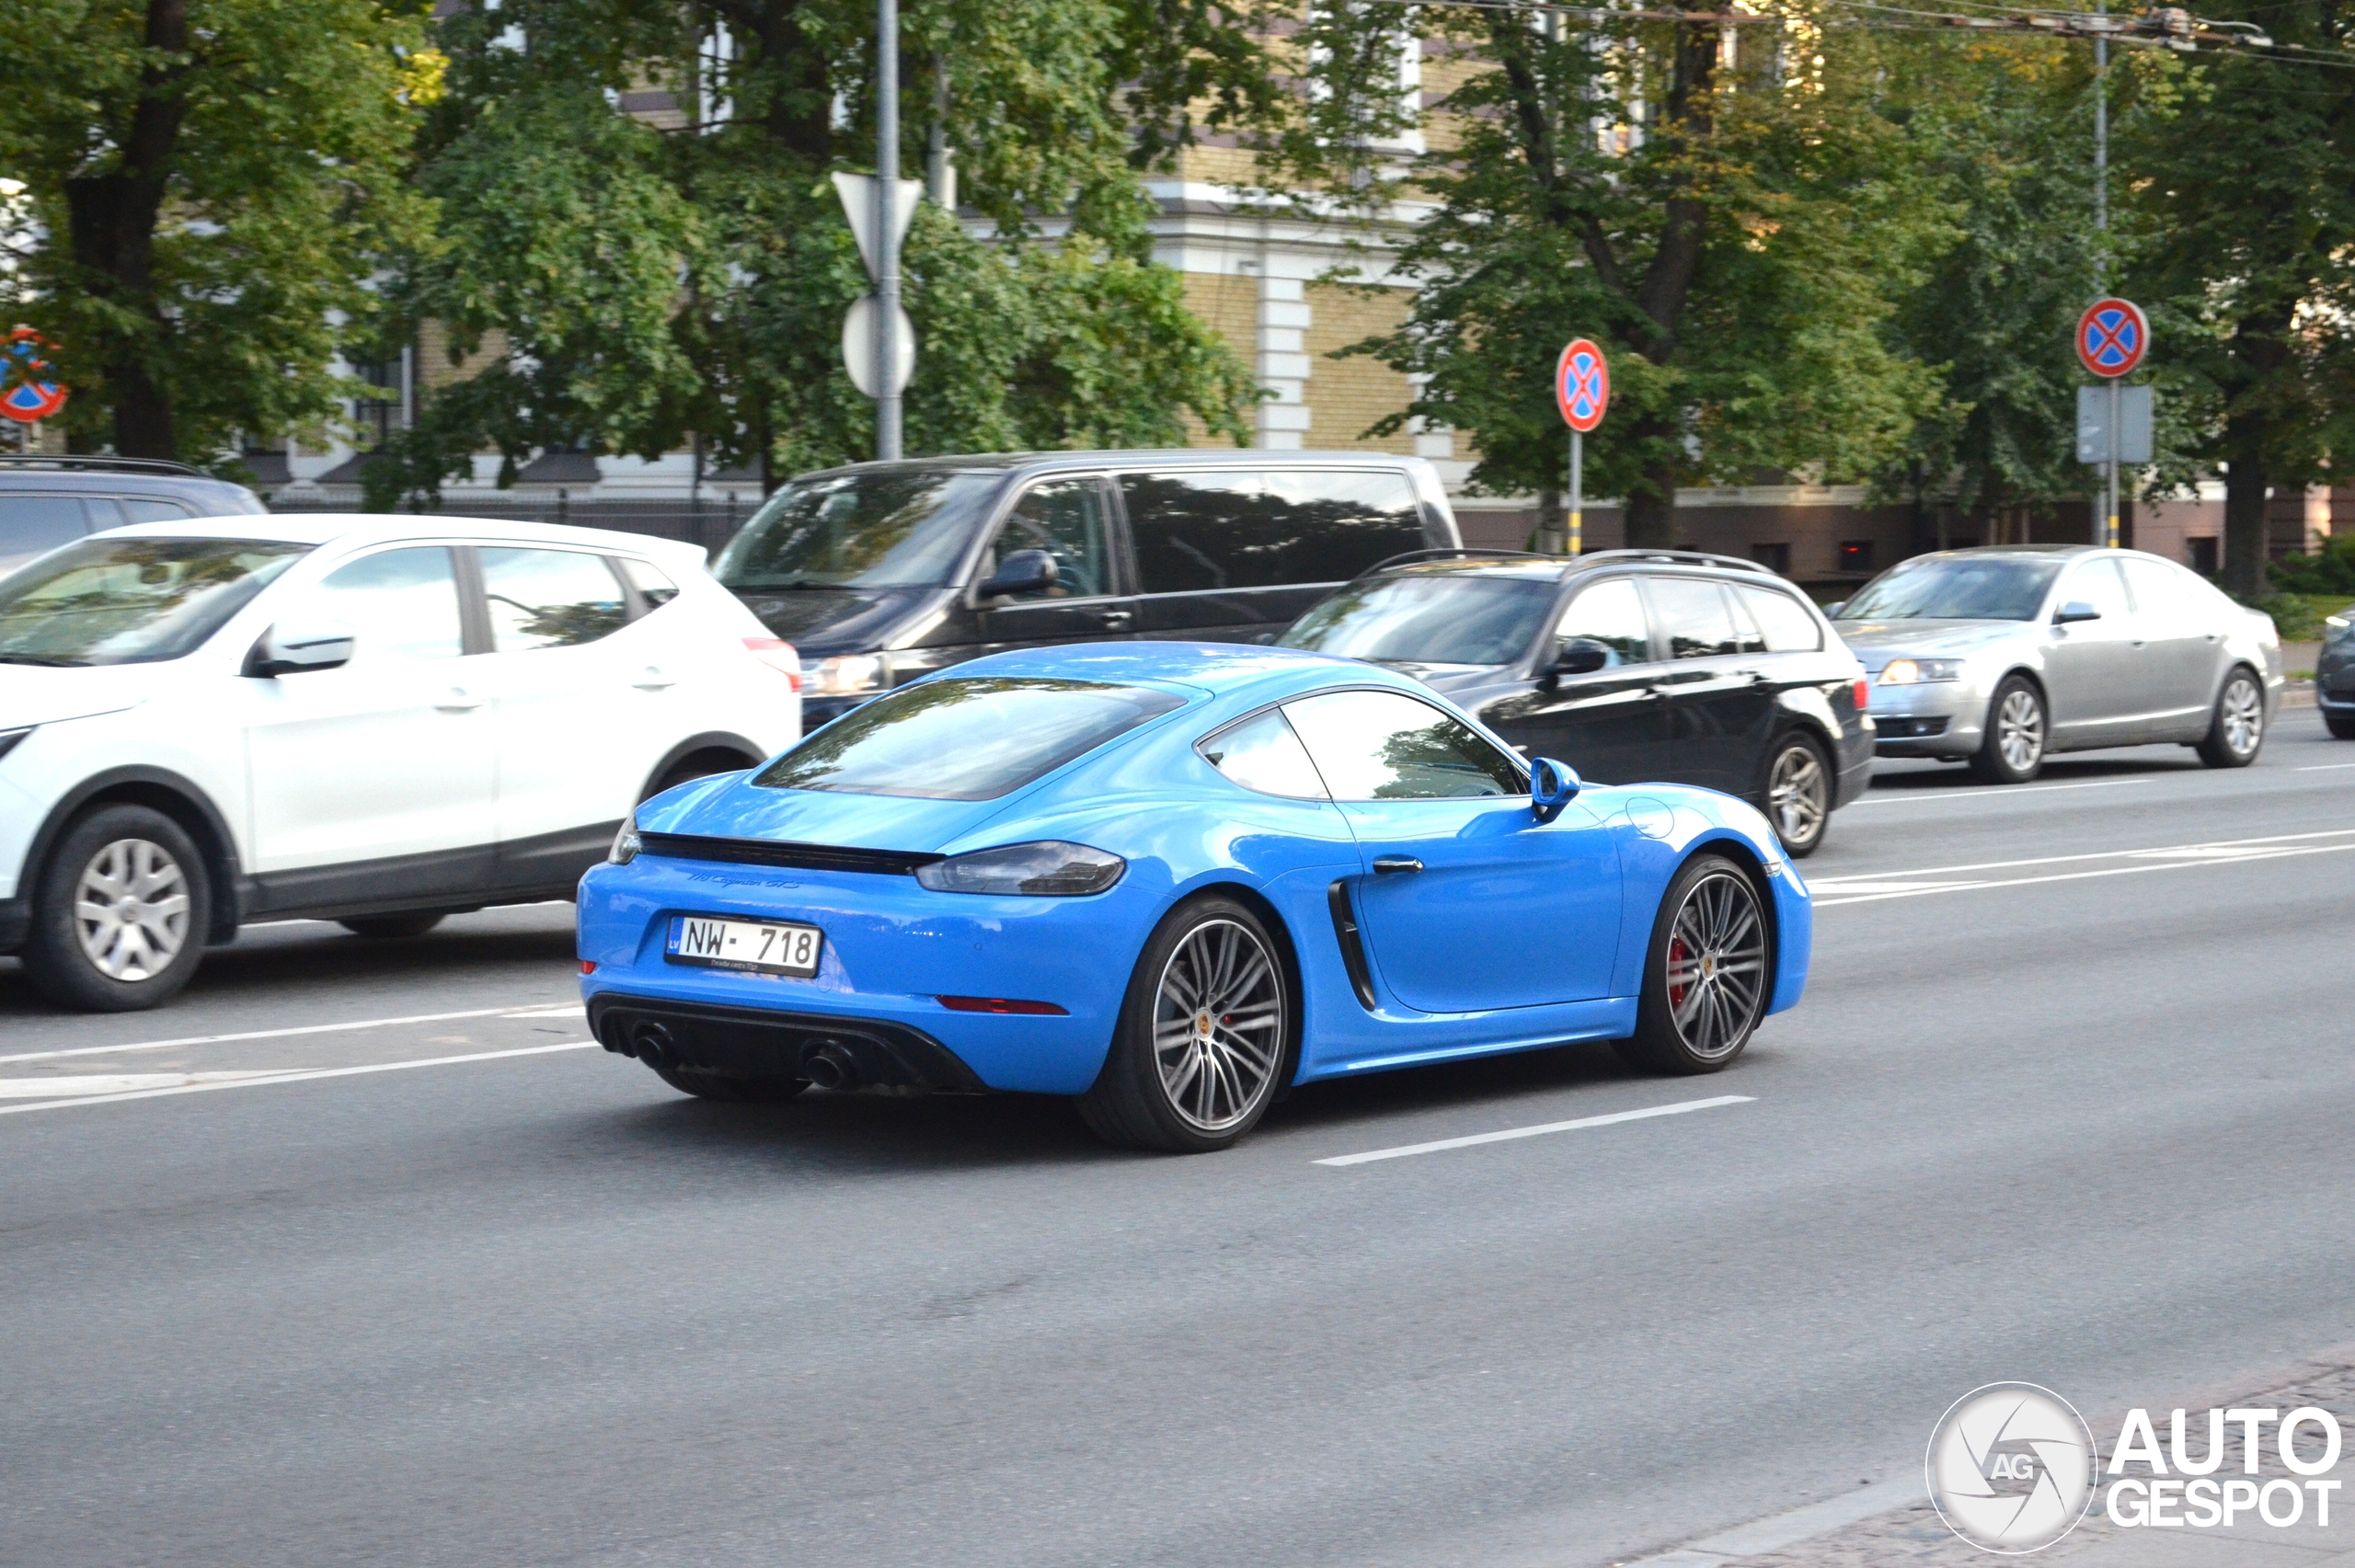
column 1675, row 964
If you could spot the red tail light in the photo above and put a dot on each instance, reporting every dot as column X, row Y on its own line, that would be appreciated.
column 587, row 966
column 999, row 1005
column 777, row 655
column 1863, row 693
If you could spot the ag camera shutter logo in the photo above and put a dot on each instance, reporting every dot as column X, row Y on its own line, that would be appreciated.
column 2011, row 1468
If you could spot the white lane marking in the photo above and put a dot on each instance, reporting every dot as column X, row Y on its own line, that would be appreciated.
column 1539, row 1131
column 284, row 1033
column 1992, row 792
column 2171, row 857
column 576, row 1010
column 2326, row 767
column 61, row 1088
column 301, row 1076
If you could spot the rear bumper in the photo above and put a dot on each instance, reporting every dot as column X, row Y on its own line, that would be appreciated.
column 746, row 1042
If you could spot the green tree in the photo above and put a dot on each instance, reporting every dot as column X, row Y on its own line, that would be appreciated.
column 657, row 287
column 1732, row 234
column 213, row 183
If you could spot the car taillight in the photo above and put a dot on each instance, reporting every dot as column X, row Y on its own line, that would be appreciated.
column 778, row 655
column 1863, row 693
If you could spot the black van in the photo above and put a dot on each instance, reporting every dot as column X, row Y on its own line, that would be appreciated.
column 881, row 572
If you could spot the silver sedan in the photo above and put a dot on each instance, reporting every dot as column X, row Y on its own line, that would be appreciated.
column 2003, row 655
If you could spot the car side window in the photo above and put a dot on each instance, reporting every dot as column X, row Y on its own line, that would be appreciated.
column 35, row 524
column 1387, row 746
column 1263, row 753
column 398, row 604
column 1340, row 521
column 1782, row 619
column 1066, row 519
column 2159, row 590
column 1611, row 613
column 1194, row 531
column 1692, row 617
column 151, row 509
column 653, row 586
column 542, row 598
column 2097, row 583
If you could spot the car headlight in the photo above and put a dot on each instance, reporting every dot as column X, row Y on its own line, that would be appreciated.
column 1046, row 870
column 1913, row 672
column 2335, row 622
column 625, row 845
column 851, row 675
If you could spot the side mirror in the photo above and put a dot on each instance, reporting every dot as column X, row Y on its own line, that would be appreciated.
column 1024, row 571
column 1552, row 785
column 1580, row 656
column 1831, row 611
column 294, row 648
column 2075, row 610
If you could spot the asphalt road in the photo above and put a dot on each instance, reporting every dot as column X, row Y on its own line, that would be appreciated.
column 500, row 1299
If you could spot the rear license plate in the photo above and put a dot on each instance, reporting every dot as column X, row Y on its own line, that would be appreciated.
column 765, row 948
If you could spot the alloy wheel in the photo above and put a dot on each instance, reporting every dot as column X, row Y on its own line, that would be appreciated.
column 1218, row 1026
column 1795, row 794
column 131, row 909
column 1717, row 965
column 2242, row 715
column 2019, row 729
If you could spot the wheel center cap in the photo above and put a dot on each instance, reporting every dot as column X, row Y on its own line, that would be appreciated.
column 1708, row 965
column 1202, row 1024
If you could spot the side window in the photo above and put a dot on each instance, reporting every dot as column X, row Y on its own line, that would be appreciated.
column 32, row 525
column 1610, row 613
column 1197, row 532
column 2160, row 590
column 398, row 604
column 1065, row 519
column 1694, row 619
column 1342, row 522
column 1385, row 745
column 549, row 598
column 1263, row 753
column 2097, row 583
column 151, row 509
column 651, row 585
column 1781, row 620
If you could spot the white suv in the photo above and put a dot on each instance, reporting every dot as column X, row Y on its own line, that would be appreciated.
column 376, row 720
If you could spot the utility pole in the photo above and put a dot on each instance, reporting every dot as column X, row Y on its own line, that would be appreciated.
column 2105, row 507
column 886, row 227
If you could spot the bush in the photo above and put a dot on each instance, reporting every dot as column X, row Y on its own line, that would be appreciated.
column 2332, row 571
column 2295, row 616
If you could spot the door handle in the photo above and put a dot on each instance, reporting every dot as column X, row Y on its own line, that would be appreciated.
column 1114, row 617
column 1394, row 865
column 458, row 700
column 1755, row 677
column 651, row 679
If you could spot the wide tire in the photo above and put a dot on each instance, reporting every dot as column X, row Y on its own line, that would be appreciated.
column 1797, row 797
column 2237, row 730
column 726, row 1090
column 391, row 927
column 2019, row 728
column 120, row 913
column 2341, row 725
column 1707, row 974
column 1206, row 1034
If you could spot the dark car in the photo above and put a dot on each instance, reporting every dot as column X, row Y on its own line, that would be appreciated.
column 1633, row 666
column 2334, row 676
column 882, row 572
column 48, row 502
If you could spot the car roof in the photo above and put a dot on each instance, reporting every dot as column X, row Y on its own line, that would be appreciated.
column 1466, row 561
column 1247, row 669
column 79, row 476
column 370, row 528
column 1138, row 457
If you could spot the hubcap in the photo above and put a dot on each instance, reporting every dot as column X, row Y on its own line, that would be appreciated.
column 1717, row 965
column 2019, row 729
column 132, row 909
column 1796, row 795
column 1218, row 1026
column 2243, row 717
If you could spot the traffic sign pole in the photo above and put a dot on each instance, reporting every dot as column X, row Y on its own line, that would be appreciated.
column 1578, row 494
column 1582, row 391
column 2110, row 539
column 2112, row 336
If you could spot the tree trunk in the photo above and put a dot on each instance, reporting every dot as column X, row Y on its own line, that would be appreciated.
column 111, row 229
column 2245, row 489
column 1651, row 500
column 1553, row 535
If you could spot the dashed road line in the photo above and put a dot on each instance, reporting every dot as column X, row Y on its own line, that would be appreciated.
column 1437, row 1146
column 508, row 1011
column 303, row 1075
column 1869, row 888
column 1990, row 793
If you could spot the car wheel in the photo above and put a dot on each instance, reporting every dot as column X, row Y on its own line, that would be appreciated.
column 385, row 927
column 700, row 765
column 2341, row 726
column 1705, row 974
column 1205, row 1035
column 2014, row 749
column 120, row 913
column 2237, row 733
column 728, row 1090
column 1798, row 794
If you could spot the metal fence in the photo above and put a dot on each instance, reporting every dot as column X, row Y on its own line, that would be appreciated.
column 709, row 523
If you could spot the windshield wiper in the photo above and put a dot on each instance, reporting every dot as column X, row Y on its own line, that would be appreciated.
column 36, row 658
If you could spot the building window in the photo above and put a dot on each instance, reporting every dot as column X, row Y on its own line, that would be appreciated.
column 1857, row 556
column 1775, row 559
column 2200, row 553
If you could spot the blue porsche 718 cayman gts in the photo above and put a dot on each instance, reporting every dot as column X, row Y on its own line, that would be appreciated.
column 1172, row 880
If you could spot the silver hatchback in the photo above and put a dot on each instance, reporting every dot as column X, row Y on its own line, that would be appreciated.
column 2004, row 655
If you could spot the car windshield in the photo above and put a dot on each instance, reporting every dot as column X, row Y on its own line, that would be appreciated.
column 133, row 600
column 1454, row 618
column 884, row 528
column 973, row 739
column 1956, row 588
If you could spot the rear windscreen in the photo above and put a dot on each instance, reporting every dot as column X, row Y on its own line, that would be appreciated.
column 973, row 739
